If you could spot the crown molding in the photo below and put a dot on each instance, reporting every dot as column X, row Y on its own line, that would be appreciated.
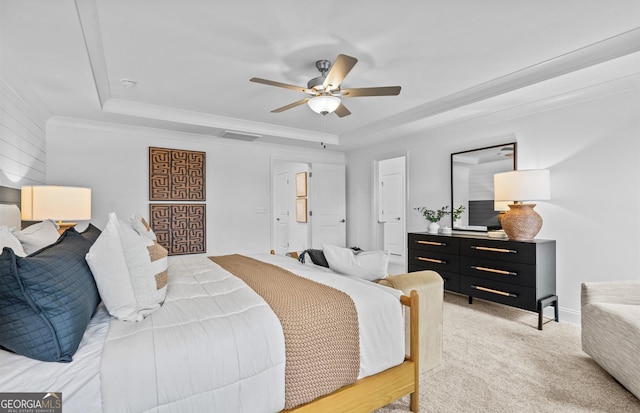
column 90, row 26
column 145, row 110
column 416, row 131
column 621, row 45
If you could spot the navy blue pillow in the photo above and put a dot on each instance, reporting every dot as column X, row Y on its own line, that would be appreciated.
column 47, row 299
column 317, row 257
column 91, row 233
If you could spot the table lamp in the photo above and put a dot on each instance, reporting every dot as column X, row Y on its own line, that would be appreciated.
column 56, row 202
column 521, row 222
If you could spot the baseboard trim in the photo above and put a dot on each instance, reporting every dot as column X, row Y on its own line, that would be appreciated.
column 569, row 315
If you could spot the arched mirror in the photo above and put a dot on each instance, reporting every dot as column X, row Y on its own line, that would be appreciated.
column 472, row 186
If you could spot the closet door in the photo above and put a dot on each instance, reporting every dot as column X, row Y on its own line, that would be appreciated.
column 327, row 200
column 391, row 204
column 283, row 201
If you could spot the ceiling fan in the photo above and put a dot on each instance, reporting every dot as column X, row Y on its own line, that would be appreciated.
column 324, row 90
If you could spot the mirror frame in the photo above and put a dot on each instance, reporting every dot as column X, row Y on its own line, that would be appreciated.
column 453, row 206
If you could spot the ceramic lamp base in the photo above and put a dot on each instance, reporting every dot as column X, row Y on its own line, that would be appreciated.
column 63, row 226
column 521, row 222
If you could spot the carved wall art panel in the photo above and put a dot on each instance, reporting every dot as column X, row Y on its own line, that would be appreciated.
column 176, row 175
column 180, row 228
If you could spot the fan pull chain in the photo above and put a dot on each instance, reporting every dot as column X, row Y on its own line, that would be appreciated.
column 323, row 129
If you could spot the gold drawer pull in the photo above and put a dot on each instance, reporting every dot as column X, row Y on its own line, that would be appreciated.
column 489, row 290
column 501, row 272
column 494, row 249
column 438, row 244
column 431, row 260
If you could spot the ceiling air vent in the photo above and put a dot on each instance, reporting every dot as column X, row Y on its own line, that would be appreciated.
column 240, row 136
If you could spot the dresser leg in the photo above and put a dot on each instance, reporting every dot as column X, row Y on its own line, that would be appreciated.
column 539, row 318
column 545, row 302
column 470, row 300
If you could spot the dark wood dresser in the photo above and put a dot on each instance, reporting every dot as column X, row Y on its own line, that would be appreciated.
column 517, row 273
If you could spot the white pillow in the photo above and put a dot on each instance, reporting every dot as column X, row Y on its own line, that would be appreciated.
column 9, row 216
column 38, row 236
column 7, row 239
column 142, row 227
column 368, row 265
column 130, row 271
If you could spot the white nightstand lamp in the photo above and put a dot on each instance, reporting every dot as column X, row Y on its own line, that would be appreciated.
column 521, row 222
column 56, row 202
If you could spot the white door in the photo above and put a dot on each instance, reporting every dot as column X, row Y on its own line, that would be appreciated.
column 391, row 204
column 327, row 200
column 283, row 201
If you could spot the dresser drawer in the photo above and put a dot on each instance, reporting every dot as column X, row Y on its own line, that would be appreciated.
column 524, row 252
column 504, row 271
column 451, row 281
column 437, row 243
column 432, row 260
column 510, row 294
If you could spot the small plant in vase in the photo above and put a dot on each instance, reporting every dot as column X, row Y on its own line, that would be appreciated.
column 456, row 214
column 433, row 216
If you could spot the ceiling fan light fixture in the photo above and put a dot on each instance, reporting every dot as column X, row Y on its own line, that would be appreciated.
column 324, row 91
column 324, row 104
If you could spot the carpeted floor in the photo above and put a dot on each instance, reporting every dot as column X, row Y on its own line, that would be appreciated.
column 496, row 360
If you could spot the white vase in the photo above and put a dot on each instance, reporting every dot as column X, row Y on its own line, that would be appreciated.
column 433, row 228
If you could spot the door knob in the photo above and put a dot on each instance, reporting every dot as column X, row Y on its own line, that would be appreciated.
column 398, row 219
column 342, row 220
column 277, row 219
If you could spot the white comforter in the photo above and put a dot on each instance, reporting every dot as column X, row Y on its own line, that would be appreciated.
column 214, row 346
column 79, row 381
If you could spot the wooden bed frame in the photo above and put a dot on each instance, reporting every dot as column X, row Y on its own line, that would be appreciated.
column 373, row 392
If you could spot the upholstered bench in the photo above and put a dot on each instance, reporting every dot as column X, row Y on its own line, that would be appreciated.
column 430, row 288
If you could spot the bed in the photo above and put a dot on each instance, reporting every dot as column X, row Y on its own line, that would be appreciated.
column 210, row 317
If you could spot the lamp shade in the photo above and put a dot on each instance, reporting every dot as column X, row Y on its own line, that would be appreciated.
column 324, row 104
column 524, row 185
column 501, row 206
column 55, row 202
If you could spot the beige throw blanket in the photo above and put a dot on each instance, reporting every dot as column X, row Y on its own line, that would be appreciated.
column 320, row 326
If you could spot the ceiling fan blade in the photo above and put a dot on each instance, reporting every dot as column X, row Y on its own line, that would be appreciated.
column 342, row 111
column 371, row 91
column 290, row 105
column 339, row 70
column 278, row 84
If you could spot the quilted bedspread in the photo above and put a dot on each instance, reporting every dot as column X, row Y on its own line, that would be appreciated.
column 214, row 346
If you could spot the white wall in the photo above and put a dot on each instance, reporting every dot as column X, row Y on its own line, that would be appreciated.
column 22, row 140
column 593, row 151
column 113, row 161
